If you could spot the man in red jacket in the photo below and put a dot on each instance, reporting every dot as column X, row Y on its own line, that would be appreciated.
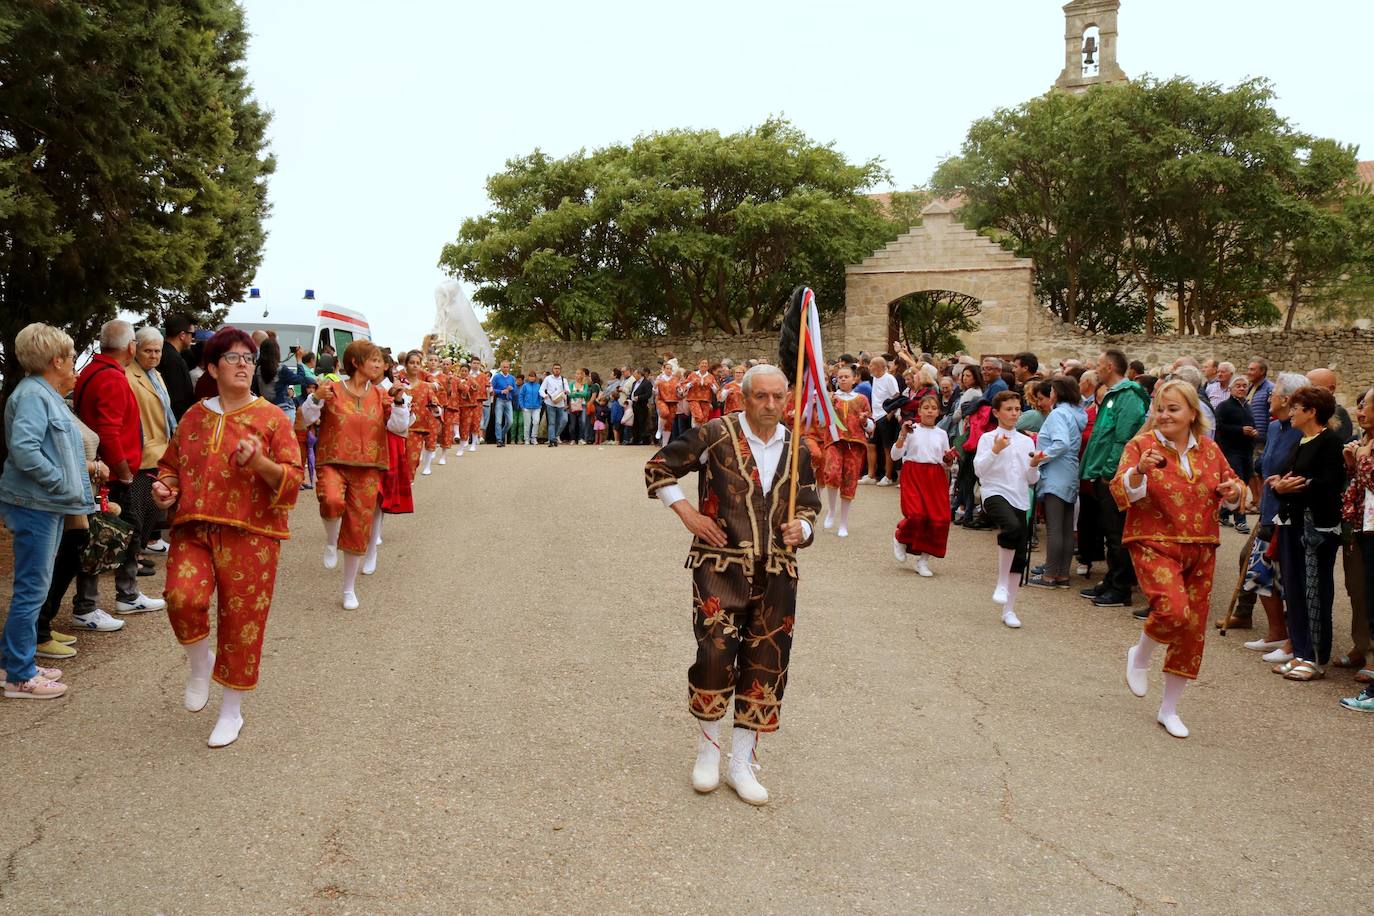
column 105, row 402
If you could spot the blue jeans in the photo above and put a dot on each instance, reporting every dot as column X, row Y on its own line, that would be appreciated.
column 486, row 415
column 503, row 419
column 557, row 417
column 36, row 536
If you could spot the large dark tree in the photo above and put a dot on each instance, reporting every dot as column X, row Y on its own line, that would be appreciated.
column 1131, row 195
column 133, row 163
column 684, row 231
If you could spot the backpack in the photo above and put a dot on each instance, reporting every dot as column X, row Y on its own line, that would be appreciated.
column 977, row 425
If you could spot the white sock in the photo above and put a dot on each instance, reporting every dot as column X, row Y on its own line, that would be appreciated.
column 1173, row 692
column 742, row 745
column 351, row 563
column 1005, row 558
column 230, row 719
column 426, row 459
column 1143, row 650
column 830, row 496
column 844, row 514
column 198, row 654
column 1013, row 586
column 370, row 558
column 331, row 531
column 708, row 745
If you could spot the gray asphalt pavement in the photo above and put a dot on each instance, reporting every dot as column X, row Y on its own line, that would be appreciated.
column 502, row 728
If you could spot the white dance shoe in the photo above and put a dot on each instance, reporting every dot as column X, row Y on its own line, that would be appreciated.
column 1138, row 679
column 226, row 732
column 706, row 771
column 350, row 601
column 999, row 595
column 829, row 522
column 1173, row 725
column 198, row 689
column 740, row 777
column 843, row 532
column 331, row 556
column 922, row 569
column 899, row 550
column 1010, row 619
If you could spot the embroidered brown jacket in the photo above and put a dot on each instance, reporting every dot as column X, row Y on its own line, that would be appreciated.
column 730, row 491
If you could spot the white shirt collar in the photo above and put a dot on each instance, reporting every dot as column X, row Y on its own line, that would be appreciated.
column 1192, row 441
column 779, row 432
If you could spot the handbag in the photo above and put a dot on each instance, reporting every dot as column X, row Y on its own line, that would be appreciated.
column 107, row 543
column 628, row 417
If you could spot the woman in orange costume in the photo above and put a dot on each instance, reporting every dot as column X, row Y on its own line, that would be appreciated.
column 1172, row 482
column 424, row 422
column 844, row 458
column 438, row 375
column 732, row 394
column 469, row 408
column 665, row 401
column 355, row 415
column 701, row 391
column 233, row 471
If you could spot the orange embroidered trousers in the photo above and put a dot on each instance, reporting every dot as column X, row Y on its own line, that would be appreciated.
column 470, row 418
column 1177, row 580
column 351, row 494
column 241, row 567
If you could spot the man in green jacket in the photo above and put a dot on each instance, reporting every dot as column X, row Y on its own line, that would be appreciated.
column 1119, row 418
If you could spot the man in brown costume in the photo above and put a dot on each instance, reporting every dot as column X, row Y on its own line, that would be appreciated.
column 744, row 570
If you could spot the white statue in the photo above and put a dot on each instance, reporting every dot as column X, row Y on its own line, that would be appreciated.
column 456, row 322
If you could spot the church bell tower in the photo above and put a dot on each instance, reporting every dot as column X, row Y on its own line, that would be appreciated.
column 1089, row 45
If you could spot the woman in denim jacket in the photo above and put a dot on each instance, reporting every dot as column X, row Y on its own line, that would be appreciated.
column 46, row 478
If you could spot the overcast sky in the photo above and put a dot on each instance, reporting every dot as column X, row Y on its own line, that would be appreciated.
column 388, row 118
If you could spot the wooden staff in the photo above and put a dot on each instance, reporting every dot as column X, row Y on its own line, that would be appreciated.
column 797, row 417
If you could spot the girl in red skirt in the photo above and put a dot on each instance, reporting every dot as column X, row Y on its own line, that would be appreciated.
column 926, row 458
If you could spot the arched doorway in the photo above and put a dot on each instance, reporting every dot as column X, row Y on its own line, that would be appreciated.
column 933, row 320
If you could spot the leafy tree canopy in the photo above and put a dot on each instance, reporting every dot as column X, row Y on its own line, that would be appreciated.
column 133, row 163
column 1131, row 194
column 677, row 232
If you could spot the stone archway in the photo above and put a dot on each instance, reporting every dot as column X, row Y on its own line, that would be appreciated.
column 941, row 254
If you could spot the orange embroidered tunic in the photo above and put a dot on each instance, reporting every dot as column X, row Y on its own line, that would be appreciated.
column 666, row 393
column 422, row 419
column 481, row 383
column 733, row 397
column 353, row 429
column 463, row 391
column 214, row 489
column 853, row 415
column 1178, row 507
column 701, row 386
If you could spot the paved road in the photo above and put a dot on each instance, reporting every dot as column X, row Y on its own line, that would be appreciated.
column 501, row 728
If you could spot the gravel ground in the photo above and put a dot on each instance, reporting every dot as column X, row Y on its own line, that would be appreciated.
column 502, row 728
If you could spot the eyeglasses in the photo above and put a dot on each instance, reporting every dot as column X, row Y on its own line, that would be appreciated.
column 233, row 358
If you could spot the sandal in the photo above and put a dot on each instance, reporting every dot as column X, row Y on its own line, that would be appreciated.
column 1365, row 676
column 1285, row 667
column 1349, row 661
column 1304, row 671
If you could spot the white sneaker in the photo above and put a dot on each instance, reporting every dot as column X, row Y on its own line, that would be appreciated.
column 97, row 620
column 899, row 550
column 159, row 546
column 1173, row 725
column 350, row 601
column 884, row 482
column 1010, row 619
column 426, row 472
column 331, row 556
column 1278, row 655
column 1264, row 645
column 1138, row 679
column 226, row 732
column 922, row 569
column 999, row 595
column 140, row 605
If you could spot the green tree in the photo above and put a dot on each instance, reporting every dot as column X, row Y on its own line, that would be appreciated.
column 132, row 163
column 676, row 232
column 931, row 321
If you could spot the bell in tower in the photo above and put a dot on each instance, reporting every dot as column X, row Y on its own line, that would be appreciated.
column 1090, row 45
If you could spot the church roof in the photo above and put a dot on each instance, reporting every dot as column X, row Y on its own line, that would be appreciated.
column 1366, row 172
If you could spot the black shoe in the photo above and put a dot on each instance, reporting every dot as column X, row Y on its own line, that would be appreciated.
column 1092, row 591
column 1141, row 613
column 500, row 445
column 1242, row 527
column 145, row 571
column 1111, row 599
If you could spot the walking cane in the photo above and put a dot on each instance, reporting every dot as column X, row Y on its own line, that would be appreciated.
column 1244, row 565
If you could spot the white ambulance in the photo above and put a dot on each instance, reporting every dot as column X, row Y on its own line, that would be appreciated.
column 306, row 323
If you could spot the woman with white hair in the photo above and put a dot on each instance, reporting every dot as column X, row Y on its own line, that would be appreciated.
column 46, row 478
column 157, row 422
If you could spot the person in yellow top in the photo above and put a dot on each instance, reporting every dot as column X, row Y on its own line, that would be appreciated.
column 1172, row 483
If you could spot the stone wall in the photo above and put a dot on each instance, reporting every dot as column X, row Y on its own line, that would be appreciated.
column 601, row 355
column 1347, row 351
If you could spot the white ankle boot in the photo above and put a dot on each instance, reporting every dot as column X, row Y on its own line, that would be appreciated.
column 739, row 775
column 706, row 772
